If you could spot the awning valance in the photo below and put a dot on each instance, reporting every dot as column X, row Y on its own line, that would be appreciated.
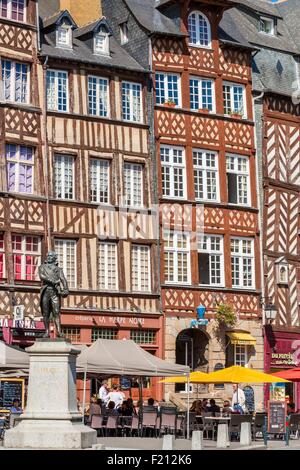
column 241, row 337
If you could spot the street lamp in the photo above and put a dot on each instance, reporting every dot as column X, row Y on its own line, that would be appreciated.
column 270, row 312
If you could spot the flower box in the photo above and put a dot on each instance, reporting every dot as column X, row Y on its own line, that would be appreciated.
column 169, row 104
column 204, row 110
column 236, row 115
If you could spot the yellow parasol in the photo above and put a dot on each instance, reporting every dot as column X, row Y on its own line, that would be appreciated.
column 195, row 377
column 239, row 374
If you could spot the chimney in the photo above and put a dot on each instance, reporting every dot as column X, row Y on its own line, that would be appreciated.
column 82, row 11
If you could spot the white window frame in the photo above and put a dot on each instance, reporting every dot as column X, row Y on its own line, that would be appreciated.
column 172, row 166
column 132, row 168
column 168, row 97
column 124, row 36
column 241, row 256
column 13, row 82
column 63, row 179
column 200, row 80
column 211, row 252
column 9, row 12
column 105, row 49
column 175, row 250
column 2, row 251
column 107, row 167
column 98, row 83
column 269, row 20
column 23, row 253
column 55, row 108
column 136, row 273
column 198, row 43
column 68, row 44
column 63, row 263
column 241, row 353
column 238, row 172
column 106, row 246
column 232, row 85
column 204, row 168
column 131, row 109
column 18, row 162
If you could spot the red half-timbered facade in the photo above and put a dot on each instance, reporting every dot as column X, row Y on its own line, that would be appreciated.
column 208, row 216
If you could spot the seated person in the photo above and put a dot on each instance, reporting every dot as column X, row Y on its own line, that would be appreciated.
column 205, row 404
column 213, row 408
column 226, row 407
column 131, row 407
column 151, row 404
column 124, row 410
column 111, row 409
column 197, row 407
column 16, row 406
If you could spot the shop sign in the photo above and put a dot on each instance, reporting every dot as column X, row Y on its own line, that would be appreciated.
column 111, row 320
column 22, row 324
column 282, row 359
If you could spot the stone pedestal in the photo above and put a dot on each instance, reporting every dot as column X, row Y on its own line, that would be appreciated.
column 51, row 419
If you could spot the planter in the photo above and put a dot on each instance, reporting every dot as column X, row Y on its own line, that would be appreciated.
column 204, row 110
column 236, row 116
column 170, row 105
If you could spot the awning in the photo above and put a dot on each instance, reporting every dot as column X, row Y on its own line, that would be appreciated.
column 241, row 337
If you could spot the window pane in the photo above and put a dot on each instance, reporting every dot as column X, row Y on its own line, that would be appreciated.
column 133, row 184
column 66, row 251
column 64, row 177
column 140, row 273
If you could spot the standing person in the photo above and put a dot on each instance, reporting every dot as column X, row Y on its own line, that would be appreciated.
column 116, row 396
column 238, row 399
column 16, row 406
column 103, row 391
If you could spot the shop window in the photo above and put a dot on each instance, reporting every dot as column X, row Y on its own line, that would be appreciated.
column 104, row 333
column 143, row 336
column 71, row 333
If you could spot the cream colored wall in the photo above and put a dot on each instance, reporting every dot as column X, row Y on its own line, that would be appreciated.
column 82, row 11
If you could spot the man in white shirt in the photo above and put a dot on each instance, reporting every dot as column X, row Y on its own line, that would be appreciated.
column 103, row 391
column 116, row 396
column 238, row 397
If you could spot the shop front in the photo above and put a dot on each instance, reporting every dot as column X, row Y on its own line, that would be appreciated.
column 21, row 333
column 282, row 351
column 145, row 331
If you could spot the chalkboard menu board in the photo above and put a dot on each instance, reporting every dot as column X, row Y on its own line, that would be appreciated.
column 249, row 397
column 9, row 390
column 277, row 417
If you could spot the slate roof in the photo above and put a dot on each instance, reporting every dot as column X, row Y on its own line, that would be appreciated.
column 53, row 19
column 90, row 27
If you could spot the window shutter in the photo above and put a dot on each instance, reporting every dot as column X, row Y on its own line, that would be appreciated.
column 203, row 262
column 232, row 188
column 229, row 353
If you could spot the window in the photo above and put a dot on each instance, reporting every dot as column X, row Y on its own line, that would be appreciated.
column 267, row 25
column 242, row 262
column 143, row 336
column 202, row 94
column 173, row 171
column 101, row 42
column 2, row 257
column 199, row 30
column 20, row 166
column 71, row 333
column 104, row 333
column 240, row 355
column 13, row 9
column 132, row 101
column 98, row 96
column 57, row 90
column 64, row 35
column 177, row 257
column 15, row 81
column 133, row 184
column 238, row 179
column 167, row 88
column 210, row 260
column 206, row 175
column 99, row 180
column 140, row 268
column 108, row 266
column 26, row 257
column 234, row 99
column 64, row 177
column 66, row 251
column 124, row 33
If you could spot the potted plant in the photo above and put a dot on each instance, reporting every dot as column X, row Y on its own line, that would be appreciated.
column 236, row 114
column 204, row 110
column 225, row 315
column 170, row 103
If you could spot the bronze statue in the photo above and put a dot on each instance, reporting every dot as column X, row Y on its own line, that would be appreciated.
column 54, row 287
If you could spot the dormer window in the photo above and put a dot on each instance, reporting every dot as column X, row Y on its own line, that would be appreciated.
column 124, row 32
column 101, row 42
column 64, row 35
column 267, row 25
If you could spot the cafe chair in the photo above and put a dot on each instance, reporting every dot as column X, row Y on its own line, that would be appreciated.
column 294, row 425
column 97, row 423
column 236, row 422
column 258, row 425
column 134, row 427
column 149, row 420
column 112, row 424
column 168, row 418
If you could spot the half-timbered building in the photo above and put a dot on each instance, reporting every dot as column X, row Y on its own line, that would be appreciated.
column 206, row 176
column 274, row 30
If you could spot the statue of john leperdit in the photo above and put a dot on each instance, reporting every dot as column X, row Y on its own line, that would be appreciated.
column 54, row 287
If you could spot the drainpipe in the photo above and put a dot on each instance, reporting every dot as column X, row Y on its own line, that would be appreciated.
column 46, row 154
column 38, row 26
